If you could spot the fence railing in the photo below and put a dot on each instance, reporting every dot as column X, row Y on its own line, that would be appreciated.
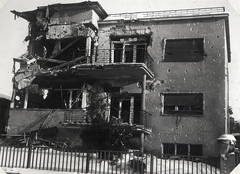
column 45, row 158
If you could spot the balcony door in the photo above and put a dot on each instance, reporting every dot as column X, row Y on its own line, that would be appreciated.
column 128, row 52
column 128, row 109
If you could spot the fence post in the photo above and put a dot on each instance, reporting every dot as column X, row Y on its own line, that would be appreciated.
column 87, row 161
column 151, row 164
column 29, row 152
column 227, row 165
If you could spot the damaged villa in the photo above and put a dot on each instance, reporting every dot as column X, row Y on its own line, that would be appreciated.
column 162, row 75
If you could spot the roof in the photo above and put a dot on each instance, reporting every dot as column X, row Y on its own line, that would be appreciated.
column 31, row 15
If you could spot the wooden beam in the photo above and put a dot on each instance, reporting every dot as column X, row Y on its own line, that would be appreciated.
column 66, row 47
column 70, row 63
column 51, row 60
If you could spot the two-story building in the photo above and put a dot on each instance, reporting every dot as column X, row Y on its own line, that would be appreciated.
column 164, row 74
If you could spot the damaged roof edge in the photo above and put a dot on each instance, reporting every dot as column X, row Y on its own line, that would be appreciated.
column 30, row 15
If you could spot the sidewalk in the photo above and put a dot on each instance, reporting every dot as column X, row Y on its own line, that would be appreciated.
column 7, row 170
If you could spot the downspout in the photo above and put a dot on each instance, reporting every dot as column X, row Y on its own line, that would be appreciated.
column 143, row 106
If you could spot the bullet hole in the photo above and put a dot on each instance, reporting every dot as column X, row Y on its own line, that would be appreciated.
column 197, row 31
column 186, row 71
column 191, row 29
column 168, row 70
column 217, row 36
column 211, row 47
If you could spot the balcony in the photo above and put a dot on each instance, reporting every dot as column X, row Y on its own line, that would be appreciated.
column 140, row 122
column 144, row 121
column 112, row 63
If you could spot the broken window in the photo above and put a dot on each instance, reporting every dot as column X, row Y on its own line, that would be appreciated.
column 127, row 108
column 56, row 99
column 183, row 104
column 128, row 51
column 183, row 50
column 182, row 149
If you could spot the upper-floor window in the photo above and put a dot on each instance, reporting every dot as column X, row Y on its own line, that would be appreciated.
column 125, row 51
column 182, row 104
column 183, row 50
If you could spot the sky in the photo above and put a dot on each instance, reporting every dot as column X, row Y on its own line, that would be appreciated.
column 13, row 32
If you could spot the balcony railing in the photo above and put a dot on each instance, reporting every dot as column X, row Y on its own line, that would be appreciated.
column 143, row 119
column 111, row 56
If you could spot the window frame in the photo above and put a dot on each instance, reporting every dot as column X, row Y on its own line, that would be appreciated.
column 125, row 44
column 182, row 113
column 175, row 149
column 184, row 59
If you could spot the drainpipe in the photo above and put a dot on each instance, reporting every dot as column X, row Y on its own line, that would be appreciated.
column 143, row 108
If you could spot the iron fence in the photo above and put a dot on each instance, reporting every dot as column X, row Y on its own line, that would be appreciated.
column 102, row 161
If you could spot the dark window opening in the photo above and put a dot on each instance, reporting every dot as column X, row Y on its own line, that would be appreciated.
column 129, row 52
column 182, row 149
column 168, row 148
column 118, row 50
column 55, row 99
column 141, row 53
column 114, row 109
column 122, row 108
column 137, row 109
column 184, row 50
column 196, row 150
column 183, row 104
column 125, row 112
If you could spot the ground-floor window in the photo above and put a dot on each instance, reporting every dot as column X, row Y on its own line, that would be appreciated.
column 182, row 149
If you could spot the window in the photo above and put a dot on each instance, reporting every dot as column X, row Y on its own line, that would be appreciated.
column 182, row 149
column 128, row 51
column 128, row 108
column 183, row 104
column 169, row 148
column 183, row 50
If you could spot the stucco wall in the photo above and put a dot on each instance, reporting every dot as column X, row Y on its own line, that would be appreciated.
column 207, row 77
